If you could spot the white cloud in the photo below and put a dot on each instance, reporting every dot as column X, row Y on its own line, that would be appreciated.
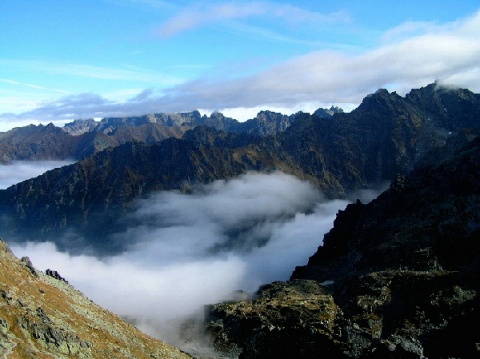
column 36, row 87
column 449, row 53
column 19, row 171
column 205, row 14
column 191, row 250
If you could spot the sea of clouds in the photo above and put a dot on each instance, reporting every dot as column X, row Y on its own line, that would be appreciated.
column 188, row 250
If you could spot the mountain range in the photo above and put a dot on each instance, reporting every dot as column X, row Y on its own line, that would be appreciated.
column 338, row 152
column 396, row 277
column 82, row 138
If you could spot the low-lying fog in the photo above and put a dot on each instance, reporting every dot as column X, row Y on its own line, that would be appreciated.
column 20, row 171
column 191, row 250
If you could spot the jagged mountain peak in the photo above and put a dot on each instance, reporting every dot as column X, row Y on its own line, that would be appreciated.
column 327, row 113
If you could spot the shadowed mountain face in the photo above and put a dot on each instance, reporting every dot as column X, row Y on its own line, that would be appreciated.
column 395, row 278
column 42, row 316
column 386, row 135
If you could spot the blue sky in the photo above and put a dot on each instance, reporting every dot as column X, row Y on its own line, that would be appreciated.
column 61, row 60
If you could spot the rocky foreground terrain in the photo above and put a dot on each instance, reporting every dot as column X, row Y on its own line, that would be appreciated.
column 42, row 316
column 395, row 278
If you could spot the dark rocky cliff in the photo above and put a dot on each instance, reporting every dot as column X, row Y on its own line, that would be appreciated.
column 395, row 278
column 40, row 142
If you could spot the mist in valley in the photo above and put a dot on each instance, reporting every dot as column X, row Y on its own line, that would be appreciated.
column 188, row 250
column 19, row 171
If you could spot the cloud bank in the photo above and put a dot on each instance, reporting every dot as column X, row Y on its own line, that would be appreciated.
column 191, row 250
column 409, row 56
column 19, row 171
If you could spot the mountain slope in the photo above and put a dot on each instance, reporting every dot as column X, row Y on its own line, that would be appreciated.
column 91, row 195
column 395, row 278
column 36, row 143
column 44, row 317
column 433, row 107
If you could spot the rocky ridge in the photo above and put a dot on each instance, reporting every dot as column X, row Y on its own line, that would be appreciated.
column 33, row 143
column 395, row 278
column 82, row 138
column 42, row 316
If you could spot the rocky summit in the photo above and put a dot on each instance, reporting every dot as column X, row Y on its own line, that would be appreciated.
column 394, row 278
column 42, row 316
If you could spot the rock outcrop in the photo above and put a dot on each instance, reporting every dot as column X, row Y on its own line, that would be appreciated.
column 44, row 317
column 394, row 278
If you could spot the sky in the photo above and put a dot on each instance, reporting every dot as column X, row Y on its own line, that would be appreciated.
column 64, row 60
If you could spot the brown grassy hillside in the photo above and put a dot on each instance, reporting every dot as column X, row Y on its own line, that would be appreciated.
column 44, row 317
